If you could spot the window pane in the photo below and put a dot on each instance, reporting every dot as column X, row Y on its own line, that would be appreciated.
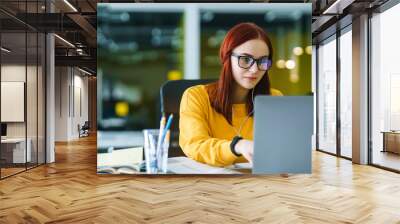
column 41, row 98
column 13, row 82
column 31, row 97
column 327, row 96
column 385, row 89
column 346, row 94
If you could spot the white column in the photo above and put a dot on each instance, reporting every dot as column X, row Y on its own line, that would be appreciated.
column 50, row 92
column 50, row 99
column 360, row 90
column 192, row 42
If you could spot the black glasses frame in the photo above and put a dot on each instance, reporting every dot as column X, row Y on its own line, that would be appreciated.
column 269, row 61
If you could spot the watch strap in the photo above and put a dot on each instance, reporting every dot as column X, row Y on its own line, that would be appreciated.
column 235, row 140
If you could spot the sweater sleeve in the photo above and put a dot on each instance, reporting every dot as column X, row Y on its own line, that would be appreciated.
column 194, row 132
column 275, row 92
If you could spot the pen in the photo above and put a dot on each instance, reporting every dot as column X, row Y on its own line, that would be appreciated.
column 162, row 126
column 169, row 122
column 161, row 136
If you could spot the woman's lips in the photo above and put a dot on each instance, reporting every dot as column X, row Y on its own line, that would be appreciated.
column 250, row 78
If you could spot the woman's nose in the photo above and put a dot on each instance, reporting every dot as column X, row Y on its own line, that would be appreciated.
column 253, row 68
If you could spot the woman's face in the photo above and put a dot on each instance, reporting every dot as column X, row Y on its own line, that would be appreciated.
column 248, row 78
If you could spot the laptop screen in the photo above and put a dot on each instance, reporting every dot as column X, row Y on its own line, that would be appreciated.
column 282, row 134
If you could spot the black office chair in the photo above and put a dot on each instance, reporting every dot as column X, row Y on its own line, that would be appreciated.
column 171, row 93
column 84, row 129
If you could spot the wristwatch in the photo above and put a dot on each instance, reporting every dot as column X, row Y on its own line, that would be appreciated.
column 235, row 140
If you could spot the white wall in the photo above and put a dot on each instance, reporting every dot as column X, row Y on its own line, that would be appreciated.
column 71, row 93
column 33, row 126
column 62, row 81
column 14, row 73
column 12, row 101
column 80, row 104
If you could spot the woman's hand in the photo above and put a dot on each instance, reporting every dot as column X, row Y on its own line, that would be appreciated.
column 245, row 147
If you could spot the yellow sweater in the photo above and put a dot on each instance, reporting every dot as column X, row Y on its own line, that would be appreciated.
column 204, row 134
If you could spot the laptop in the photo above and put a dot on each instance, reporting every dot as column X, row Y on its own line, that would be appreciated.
column 283, row 128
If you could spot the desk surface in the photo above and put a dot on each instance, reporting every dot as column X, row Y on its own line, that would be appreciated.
column 127, row 161
column 13, row 140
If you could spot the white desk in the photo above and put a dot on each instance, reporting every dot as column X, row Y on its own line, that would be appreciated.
column 19, row 149
column 129, row 159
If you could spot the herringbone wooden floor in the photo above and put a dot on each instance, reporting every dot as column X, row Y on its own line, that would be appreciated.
column 70, row 191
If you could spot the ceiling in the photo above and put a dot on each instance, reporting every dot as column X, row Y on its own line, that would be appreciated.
column 76, row 22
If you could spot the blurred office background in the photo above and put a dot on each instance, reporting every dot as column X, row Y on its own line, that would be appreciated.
column 355, row 70
column 141, row 46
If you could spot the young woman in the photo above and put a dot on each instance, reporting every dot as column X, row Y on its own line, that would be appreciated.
column 216, row 120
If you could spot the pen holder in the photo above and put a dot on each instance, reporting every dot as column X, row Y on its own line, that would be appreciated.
column 155, row 157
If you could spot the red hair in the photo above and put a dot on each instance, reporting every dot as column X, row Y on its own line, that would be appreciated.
column 221, row 92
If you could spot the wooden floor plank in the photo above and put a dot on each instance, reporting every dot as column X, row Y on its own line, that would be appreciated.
column 70, row 191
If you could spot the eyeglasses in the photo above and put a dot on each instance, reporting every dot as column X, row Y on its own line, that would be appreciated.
column 246, row 61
